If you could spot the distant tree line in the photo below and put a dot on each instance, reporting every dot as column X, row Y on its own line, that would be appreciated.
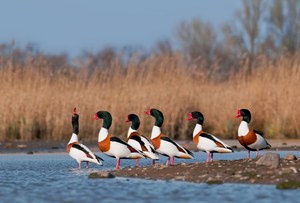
column 268, row 28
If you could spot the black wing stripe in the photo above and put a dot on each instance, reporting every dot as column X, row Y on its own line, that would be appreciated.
column 262, row 134
column 77, row 146
column 259, row 132
column 174, row 143
column 169, row 140
column 138, row 139
column 98, row 158
column 208, row 136
column 115, row 139
column 145, row 138
column 189, row 152
column 152, row 150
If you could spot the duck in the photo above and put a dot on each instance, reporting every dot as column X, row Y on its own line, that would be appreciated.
column 252, row 140
column 114, row 146
column 138, row 141
column 204, row 141
column 165, row 145
column 78, row 151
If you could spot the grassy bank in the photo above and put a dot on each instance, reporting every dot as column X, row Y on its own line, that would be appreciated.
column 36, row 100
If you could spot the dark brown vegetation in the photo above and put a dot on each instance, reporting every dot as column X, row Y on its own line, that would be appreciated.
column 245, row 68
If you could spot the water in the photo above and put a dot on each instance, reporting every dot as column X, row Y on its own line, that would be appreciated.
column 55, row 178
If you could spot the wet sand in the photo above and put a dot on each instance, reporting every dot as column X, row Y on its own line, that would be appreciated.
column 224, row 171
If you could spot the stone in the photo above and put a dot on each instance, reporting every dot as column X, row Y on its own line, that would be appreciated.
column 269, row 159
column 290, row 157
column 288, row 185
column 288, row 170
column 293, row 169
column 182, row 178
column 22, row 146
column 161, row 166
column 101, row 174
column 214, row 182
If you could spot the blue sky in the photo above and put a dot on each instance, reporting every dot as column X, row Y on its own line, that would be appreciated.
column 71, row 26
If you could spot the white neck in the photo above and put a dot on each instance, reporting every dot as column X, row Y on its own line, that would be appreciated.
column 130, row 130
column 74, row 138
column 197, row 129
column 243, row 129
column 102, row 134
column 155, row 132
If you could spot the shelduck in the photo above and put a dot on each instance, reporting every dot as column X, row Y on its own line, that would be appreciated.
column 252, row 140
column 165, row 145
column 78, row 151
column 205, row 141
column 113, row 146
column 138, row 141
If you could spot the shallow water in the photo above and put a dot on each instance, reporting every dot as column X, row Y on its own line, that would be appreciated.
column 55, row 178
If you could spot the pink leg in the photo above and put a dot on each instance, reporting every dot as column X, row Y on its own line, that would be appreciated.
column 173, row 160
column 118, row 164
column 167, row 163
column 211, row 157
column 153, row 162
column 87, row 164
column 137, row 162
column 257, row 153
column 249, row 154
column 208, row 157
column 79, row 165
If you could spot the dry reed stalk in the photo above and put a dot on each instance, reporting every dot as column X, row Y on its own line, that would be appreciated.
column 36, row 102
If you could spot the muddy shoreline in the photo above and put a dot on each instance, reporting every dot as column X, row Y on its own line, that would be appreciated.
column 217, row 172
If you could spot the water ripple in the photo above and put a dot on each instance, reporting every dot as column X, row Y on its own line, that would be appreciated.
column 55, row 178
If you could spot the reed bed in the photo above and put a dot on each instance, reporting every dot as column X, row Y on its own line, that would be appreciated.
column 36, row 102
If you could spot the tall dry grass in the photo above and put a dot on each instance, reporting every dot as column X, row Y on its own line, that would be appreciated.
column 36, row 102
